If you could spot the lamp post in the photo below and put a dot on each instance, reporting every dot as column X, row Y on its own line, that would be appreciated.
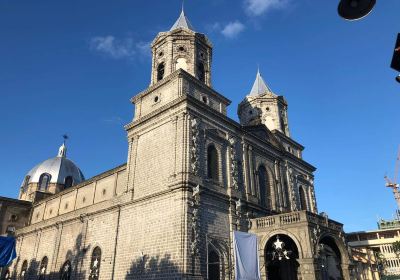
column 396, row 57
column 355, row 9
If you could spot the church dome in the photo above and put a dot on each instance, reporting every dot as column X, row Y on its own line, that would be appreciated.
column 60, row 170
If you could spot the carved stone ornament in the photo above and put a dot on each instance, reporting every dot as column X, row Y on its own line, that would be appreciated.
column 195, row 149
column 342, row 236
column 238, row 208
column 315, row 235
column 234, row 170
column 195, row 224
column 293, row 194
column 314, row 201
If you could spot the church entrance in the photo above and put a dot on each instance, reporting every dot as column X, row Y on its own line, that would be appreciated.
column 329, row 260
column 281, row 256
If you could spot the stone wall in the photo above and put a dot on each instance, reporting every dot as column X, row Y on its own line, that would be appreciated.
column 14, row 214
column 100, row 188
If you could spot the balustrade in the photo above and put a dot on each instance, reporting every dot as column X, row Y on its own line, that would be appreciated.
column 296, row 217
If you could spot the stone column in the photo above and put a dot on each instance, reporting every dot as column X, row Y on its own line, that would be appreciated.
column 251, row 171
column 279, row 190
column 246, row 169
column 308, row 269
column 131, row 165
column 345, row 271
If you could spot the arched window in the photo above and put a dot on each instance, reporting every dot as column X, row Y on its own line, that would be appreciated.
column 43, row 268
column 262, row 174
column 213, row 266
column 24, row 271
column 95, row 264
column 68, row 182
column 44, row 181
column 212, row 162
column 181, row 64
column 201, row 73
column 160, row 71
column 303, row 201
column 65, row 272
column 265, row 189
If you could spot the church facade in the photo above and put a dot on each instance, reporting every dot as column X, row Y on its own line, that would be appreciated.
column 192, row 177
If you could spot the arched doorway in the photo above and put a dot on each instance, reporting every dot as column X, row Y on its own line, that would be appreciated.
column 329, row 259
column 214, row 265
column 281, row 256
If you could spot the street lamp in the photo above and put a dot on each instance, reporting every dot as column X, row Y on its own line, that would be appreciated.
column 355, row 9
column 396, row 57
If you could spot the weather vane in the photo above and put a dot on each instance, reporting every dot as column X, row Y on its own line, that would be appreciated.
column 65, row 136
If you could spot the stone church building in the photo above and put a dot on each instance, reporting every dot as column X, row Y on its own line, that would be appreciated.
column 193, row 176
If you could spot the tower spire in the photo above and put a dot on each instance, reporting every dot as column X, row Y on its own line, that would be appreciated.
column 182, row 21
column 259, row 86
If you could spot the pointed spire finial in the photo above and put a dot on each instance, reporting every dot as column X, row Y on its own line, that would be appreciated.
column 183, row 6
column 259, row 86
column 62, row 151
column 182, row 21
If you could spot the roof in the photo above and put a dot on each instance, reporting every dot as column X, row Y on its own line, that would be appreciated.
column 182, row 22
column 58, row 168
column 259, row 86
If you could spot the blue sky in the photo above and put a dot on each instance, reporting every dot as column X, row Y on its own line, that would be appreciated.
column 72, row 66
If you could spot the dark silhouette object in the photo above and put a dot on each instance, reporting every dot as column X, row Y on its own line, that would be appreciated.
column 355, row 9
column 151, row 268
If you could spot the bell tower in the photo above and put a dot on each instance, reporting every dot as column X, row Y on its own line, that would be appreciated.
column 262, row 106
column 181, row 48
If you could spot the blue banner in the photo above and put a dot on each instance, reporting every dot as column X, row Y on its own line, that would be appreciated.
column 7, row 250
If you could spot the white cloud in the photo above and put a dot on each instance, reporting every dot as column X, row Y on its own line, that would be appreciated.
column 115, row 120
column 232, row 29
column 118, row 48
column 144, row 48
column 259, row 7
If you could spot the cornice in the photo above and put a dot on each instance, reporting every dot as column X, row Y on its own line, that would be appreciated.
column 181, row 74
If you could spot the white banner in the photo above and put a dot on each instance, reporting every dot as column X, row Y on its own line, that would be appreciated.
column 247, row 265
